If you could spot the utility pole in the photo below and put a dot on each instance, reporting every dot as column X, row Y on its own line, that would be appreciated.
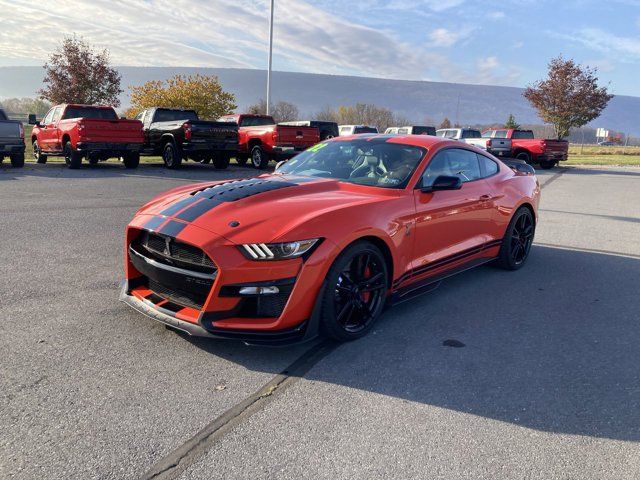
column 270, row 56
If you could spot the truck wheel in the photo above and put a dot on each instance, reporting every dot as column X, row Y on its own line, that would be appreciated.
column 241, row 160
column 72, row 158
column 259, row 159
column 547, row 164
column 37, row 153
column 524, row 156
column 131, row 160
column 221, row 161
column 172, row 156
column 17, row 161
column 205, row 160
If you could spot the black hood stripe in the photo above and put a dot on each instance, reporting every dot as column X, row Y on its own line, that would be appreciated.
column 172, row 228
column 176, row 207
column 209, row 198
column 154, row 223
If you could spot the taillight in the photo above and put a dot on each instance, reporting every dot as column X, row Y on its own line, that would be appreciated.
column 22, row 131
column 187, row 131
column 274, row 135
column 488, row 143
column 81, row 128
column 543, row 143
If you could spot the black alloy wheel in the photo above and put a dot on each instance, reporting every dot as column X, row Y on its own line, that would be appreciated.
column 37, row 153
column 172, row 156
column 517, row 242
column 354, row 293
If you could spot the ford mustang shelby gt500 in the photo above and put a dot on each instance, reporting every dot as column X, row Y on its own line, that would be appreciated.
column 322, row 244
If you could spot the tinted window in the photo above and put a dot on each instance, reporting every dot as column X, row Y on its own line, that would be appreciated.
column 90, row 112
column 501, row 133
column 489, row 167
column 358, row 130
column 165, row 115
column 452, row 162
column 470, row 134
column 488, row 134
column 364, row 162
column 3, row 116
column 256, row 121
column 522, row 134
column 403, row 131
column 47, row 118
column 423, row 131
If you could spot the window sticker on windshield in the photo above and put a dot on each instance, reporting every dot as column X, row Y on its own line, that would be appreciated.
column 317, row 147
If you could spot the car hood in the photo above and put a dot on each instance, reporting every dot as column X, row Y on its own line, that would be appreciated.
column 261, row 209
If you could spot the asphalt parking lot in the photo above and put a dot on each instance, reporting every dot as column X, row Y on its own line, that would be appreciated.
column 546, row 386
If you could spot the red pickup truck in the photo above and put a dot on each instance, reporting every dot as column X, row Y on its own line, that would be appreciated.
column 94, row 132
column 261, row 139
column 525, row 146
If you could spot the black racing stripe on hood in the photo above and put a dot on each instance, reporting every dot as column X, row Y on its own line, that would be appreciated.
column 210, row 197
column 172, row 228
column 154, row 223
column 176, row 207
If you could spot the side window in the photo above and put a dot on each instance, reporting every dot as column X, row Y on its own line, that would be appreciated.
column 452, row 162
column 48, row 117
column 140, row 115
column 488, row 166
column 56, row 114
column 501, row 134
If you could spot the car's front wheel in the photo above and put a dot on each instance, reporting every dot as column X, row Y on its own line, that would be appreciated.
column 354, row 292
column 517, row 241
column 37, row 153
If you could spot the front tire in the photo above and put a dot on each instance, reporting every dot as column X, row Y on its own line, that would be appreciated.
column 354, row 292
column 524, row 156
column 259, row 158
column 37, row 153
column 517, row 241
column 17, row 161
column 172, row 156
column 72, row 158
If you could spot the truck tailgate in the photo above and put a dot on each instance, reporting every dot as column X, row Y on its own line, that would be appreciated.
column 112, row 131
column 9, row 131
column 499, row 144
column 556, row 146
column 203, row 130
column 297, row 136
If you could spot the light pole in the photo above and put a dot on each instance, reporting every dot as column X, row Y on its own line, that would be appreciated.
column 270, row 55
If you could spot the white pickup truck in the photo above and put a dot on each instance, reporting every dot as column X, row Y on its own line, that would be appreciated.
column 500, row 147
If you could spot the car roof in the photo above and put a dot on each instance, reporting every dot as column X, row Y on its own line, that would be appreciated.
column 426, row 141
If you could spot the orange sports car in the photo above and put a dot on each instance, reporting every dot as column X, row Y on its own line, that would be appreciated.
column 321, row 245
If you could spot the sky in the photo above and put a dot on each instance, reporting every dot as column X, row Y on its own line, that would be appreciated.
column 506, row 42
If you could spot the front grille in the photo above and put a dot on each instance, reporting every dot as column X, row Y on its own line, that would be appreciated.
column 175, row 253
column 185, row 299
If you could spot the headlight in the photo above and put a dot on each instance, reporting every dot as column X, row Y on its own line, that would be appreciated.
column 277, row 251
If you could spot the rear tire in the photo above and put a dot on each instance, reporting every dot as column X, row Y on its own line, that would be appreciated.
column 354, row 292
column 221, row 161
column 241, row 160
column 37, row 153
column 131, row 160
column 547, row 164
column 517, row 241
column 205, row 160
column 17, row 161
column 524, row 156
column 259, row 158
column 72, row 158
column 172, row 156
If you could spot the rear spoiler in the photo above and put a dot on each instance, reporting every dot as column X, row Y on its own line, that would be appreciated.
column 518, row 165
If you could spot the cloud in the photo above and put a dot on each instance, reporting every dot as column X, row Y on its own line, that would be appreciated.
column 625, row 48
column 496, row 15
column 442, row 37
column 229, row 33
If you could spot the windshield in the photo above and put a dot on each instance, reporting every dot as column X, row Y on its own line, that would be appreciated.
column 376, row 162
column 359, row 130
column 163, row 115
column 90, row 112
column 522, row 134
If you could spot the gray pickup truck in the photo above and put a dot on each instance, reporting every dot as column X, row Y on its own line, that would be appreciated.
column 178, row 134
column 11, row 140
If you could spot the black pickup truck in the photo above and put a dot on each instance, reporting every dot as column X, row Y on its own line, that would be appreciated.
column 178, row 134
column 11, row 140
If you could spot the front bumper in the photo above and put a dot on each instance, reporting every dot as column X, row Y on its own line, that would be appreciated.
column 112, row 147
column 287, row 151
column 555, row 156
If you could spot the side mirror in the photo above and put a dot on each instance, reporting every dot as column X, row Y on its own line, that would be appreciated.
column 32, row 119
column 37, row 124
column 443, row 182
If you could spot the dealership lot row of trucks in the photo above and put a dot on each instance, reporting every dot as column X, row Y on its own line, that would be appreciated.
column 96, row 133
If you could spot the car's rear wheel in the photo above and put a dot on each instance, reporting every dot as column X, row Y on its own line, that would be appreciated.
column 17, row 160
column 72, row 158
column 221, row 161
column 172, row 156
column 131, row 159
column 517, row 241
column 37, row 153
column 354, row 292
column 524, row 156
column 259, row 158
column 547, row 164
column 241, row 160
column 205, row 160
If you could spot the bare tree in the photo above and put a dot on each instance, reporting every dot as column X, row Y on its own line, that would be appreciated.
column 569, row 96
column 446, row 123
column 281, row 111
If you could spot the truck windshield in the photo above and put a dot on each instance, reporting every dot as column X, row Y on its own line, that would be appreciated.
column 90, row 112
column 166, row 115
column 256, row 121
column 358, row 130
column 419, row 130
column 363, row 162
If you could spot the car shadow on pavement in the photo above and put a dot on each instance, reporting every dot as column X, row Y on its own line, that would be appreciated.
column 188, row 171
column 552, row 347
